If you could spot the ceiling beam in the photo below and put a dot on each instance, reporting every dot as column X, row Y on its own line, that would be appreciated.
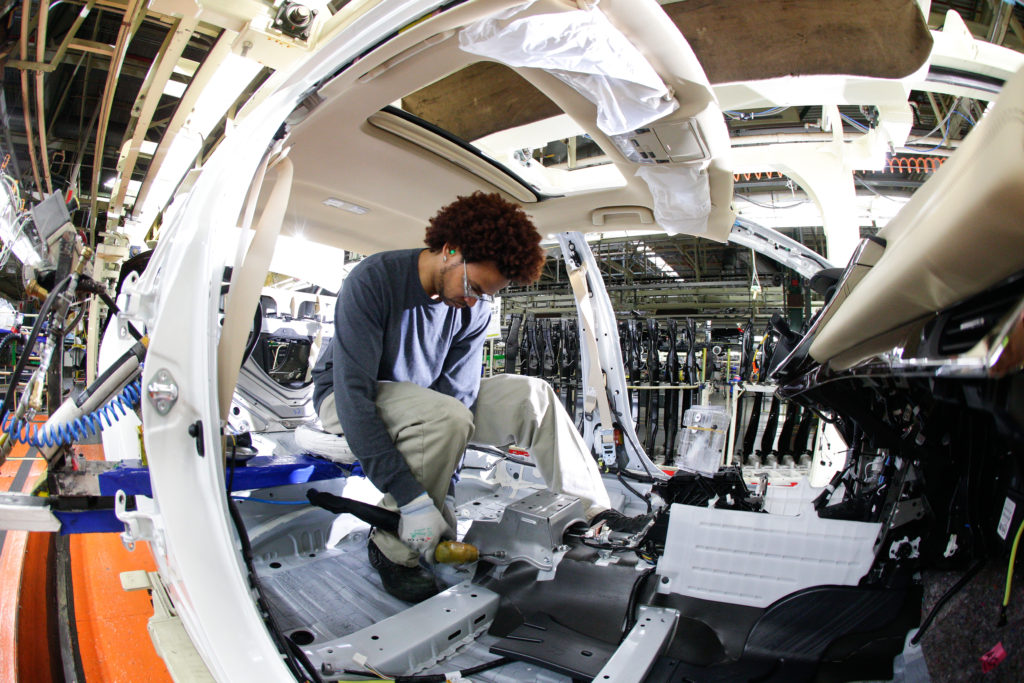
column 129, row 25
column 214, row 58
column 142, row 111
column 26, row 13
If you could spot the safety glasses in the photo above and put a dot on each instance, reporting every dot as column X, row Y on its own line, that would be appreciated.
column 473, row 293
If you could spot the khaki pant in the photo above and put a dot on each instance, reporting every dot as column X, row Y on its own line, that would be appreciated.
column 431, row 431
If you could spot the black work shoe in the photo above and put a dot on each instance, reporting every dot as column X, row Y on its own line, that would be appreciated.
column 412, row 584
column 616, row 521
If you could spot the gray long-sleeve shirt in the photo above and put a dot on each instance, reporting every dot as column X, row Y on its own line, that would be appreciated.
column 386, row 328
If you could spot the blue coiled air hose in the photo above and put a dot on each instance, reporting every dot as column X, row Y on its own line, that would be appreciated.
column 40, row 435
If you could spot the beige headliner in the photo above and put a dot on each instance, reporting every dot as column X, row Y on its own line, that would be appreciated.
column 337, row 154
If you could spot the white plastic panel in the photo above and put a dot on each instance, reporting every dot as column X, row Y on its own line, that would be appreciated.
column 749, row 558
column 790, row 498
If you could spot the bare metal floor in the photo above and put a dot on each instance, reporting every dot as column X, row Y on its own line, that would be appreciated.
column 336, row 592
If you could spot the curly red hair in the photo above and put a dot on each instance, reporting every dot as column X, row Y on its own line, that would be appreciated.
column 486, row 227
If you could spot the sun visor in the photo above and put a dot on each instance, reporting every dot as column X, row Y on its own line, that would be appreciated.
column 582, row 49
column 682, row 198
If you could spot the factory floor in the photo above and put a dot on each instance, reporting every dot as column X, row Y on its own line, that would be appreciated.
column 106, row 624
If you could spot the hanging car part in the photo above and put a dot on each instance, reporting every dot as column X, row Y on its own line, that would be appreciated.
column 747, row 352
column 672, row 397
column 691, row 376
column 632, row 345
column 547, row 351
column 804, row 441
column 569, row 365
column 750, row 435
column 767, row 449
column 653, row 379
column 784, row 448
column 604, row 381
column 512, row 342
column 530, row 363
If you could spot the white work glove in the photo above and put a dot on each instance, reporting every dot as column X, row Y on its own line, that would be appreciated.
column 422, row 526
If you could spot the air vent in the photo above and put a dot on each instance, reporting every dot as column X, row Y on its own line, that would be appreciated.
column 963, row 330
column 958, row 329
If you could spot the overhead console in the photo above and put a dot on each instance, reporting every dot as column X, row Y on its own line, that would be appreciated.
column 675, row 142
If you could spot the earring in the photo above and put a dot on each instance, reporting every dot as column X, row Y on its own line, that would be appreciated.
column 444, row 258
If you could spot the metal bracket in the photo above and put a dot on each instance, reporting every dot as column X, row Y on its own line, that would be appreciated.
column 162, row 391
column 906, row 511
column 136, row 307
column 25, row 512
column 905, row 548
column 415, row 638
column 138, row 526
column 530, row 529
column 634, row 658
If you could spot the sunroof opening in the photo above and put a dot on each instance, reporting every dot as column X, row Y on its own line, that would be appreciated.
column 505, row 118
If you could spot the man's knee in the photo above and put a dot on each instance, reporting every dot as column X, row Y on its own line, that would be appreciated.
column 449, row 414
column 403, row 406
column 514, row 389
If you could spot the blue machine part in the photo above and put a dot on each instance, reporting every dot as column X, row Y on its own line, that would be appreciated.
column 261, row 472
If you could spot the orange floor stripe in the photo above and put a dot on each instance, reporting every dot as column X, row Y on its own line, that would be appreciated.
column 12, row 561
column 38, row 640
column 112, row 635
column 10, row 588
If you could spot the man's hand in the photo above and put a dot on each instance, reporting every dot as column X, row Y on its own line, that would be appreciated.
column 422, row 526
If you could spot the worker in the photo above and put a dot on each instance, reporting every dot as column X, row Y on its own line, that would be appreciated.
column 401, row 380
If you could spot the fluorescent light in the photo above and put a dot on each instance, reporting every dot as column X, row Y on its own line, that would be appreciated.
column 658, row 262
column 180, row 155
column 109, row 182
column 175, row 88
column 147, row 148
column 345, row 206
column 232, row 76
column 186, row 67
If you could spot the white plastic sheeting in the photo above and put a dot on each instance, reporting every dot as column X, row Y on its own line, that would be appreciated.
column 682, row 197
column 584, row 50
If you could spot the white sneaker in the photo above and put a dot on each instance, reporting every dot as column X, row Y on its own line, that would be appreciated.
column 333, row 447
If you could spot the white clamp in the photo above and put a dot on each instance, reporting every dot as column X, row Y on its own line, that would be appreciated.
column 138, row 526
